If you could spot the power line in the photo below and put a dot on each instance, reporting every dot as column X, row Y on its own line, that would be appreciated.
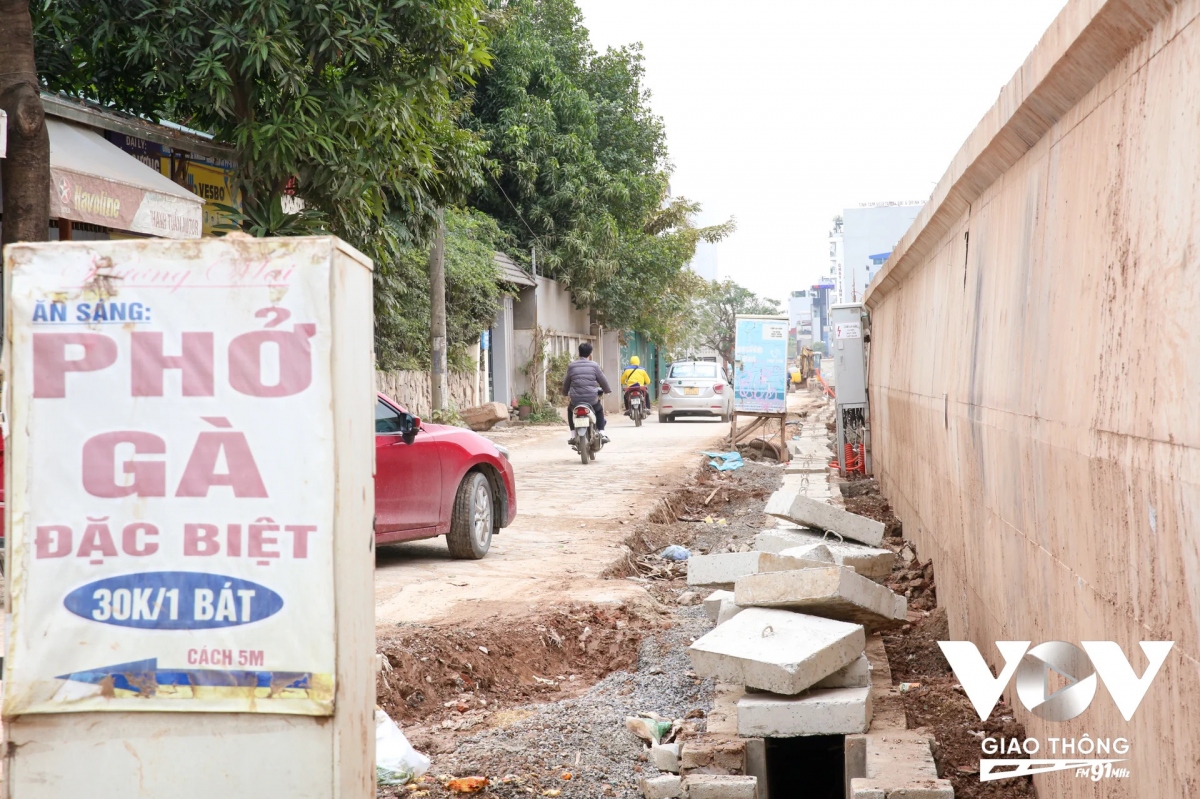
column 516, row 210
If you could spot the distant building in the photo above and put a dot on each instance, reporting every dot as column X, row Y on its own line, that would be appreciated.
column 864, row 239
column 822, row 296
column 800, row 318
column 837, row 250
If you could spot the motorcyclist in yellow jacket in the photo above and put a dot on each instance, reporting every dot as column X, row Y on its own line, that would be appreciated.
column 635, row 375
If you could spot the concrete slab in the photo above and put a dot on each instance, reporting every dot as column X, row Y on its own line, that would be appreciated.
column 893, row 765
column 665, row 757
column 832, row 592
column 796, row 507
column 728, row 610
column 721, row 570
column 756, row 764
column 874, row 563
column 826, row 711
column 721, row 786
column 887, row 704
column 712, row 603
column 667, row 786
column 776, row 650
column 856, row 675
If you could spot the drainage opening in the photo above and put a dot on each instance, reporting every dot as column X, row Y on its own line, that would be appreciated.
column 812, row 767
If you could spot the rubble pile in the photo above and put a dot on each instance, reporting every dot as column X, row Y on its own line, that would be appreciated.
column 789, row 652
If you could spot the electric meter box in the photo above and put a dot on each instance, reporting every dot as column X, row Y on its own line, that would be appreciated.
column 189, row 514
column 850, row 364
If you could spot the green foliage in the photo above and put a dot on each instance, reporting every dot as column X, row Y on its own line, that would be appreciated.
column 556, row 373
column 546, row 413
column 527, row 399
column 356, row 101
column 581, row 168
column 817, row 347
column 402, row 320
column 448, row 415
column 351, row 98
column 724, row 301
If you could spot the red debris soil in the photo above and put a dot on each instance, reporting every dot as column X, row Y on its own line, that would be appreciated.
column 936, row 703
column 447, row 680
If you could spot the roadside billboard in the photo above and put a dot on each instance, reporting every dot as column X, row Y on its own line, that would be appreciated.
column 171, row 478
column 760, row 364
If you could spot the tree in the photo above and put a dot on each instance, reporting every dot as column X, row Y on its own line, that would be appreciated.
column 25, row 171
column 349, row 98
column 653, row 291
column 578, row 158
column 356, row 101
column 725, row 301
column 472, row 294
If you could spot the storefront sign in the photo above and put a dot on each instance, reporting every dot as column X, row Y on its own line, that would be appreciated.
column 96, row 200
column 170, row 497
column 760, row 364
column 209, row 179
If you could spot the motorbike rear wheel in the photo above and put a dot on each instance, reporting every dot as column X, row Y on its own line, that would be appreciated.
column 637, row 417
column 582, row 444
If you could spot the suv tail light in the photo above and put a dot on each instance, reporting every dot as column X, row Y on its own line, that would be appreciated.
column 665, row 388
column 581, row 411
column 718, row 388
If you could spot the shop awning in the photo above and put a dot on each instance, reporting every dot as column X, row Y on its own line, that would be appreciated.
column 93, row 181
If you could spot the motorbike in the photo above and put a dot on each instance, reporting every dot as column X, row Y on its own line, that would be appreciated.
column 639, row 404
column 585, row 438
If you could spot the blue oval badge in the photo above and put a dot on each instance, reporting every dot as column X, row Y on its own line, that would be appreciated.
column 173, row 601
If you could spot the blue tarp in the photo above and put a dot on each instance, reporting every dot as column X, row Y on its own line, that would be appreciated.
column 725, row 461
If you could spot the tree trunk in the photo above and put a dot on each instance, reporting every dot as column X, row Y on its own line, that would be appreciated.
column 437, row 314
column 26, row 171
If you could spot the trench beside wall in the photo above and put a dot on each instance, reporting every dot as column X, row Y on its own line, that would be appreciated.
column 413, row 390
column 1035, row 373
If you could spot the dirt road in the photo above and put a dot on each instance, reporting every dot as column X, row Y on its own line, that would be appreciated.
column 568, row 528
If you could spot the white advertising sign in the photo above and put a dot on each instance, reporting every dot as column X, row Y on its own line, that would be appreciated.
column 170, row 480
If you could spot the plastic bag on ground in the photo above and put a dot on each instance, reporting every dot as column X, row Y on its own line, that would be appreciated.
column 396, row 762
column 675, row 552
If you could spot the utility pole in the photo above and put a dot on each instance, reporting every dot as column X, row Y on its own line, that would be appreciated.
column 437, row 312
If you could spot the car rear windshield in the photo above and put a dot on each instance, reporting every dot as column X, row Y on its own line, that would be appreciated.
column 694, row 370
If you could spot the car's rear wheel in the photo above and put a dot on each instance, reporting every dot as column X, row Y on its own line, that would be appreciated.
column 472, row 520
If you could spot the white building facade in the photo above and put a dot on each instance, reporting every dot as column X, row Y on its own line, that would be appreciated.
column 863, row 241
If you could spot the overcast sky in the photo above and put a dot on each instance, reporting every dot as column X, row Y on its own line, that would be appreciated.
column 783, row 112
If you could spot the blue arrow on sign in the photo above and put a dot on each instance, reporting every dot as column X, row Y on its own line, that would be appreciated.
column 137, row 675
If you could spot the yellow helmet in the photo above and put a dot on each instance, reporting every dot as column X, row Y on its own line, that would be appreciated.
column 636, row 361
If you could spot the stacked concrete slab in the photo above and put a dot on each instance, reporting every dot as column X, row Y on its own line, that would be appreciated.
column 789, row 539
column 722, row 570
column 795, row 507
column 793, row 632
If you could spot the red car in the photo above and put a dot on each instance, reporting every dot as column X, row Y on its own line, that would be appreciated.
column 433, row 479
column 430, row 480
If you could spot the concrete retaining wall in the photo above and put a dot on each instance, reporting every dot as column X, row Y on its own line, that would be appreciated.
column 1035, row 372
column 413, row 390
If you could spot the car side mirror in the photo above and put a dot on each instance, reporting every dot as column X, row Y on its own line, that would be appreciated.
column 410, row 434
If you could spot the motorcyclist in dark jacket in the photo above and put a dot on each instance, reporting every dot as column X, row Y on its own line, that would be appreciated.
column 583, row 383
